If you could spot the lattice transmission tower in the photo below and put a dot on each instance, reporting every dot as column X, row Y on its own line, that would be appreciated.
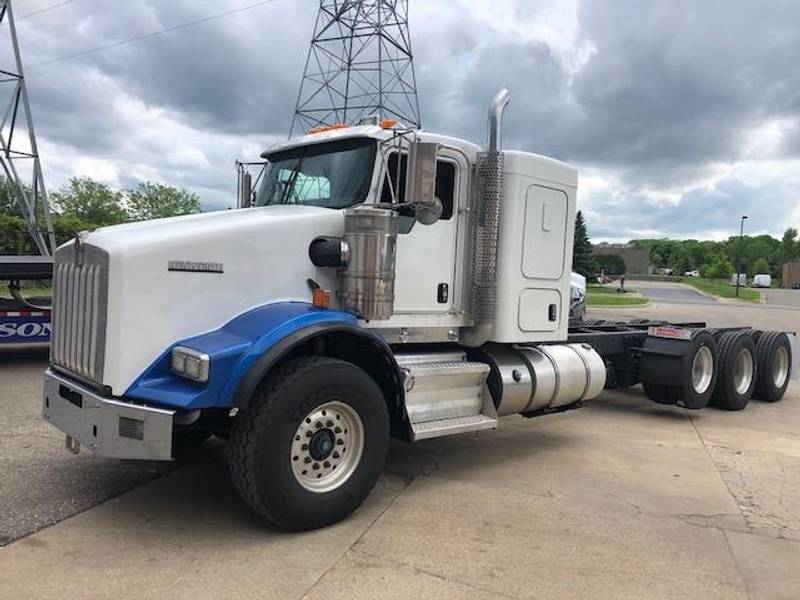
column 19, row 153
column 360, row 64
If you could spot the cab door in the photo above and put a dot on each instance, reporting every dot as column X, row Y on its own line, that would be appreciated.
column 426, row 254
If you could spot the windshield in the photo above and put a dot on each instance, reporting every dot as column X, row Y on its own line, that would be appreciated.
column 331, row 175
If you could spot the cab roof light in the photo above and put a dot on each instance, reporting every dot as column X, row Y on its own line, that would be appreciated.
column 324, row 128
column 389, row 123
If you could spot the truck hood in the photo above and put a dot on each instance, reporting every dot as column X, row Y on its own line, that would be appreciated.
column 171, row 279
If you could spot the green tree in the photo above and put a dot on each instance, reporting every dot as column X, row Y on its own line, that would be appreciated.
column 155, row 201
column 610, row 264
column 67, row 226
column 91, row 202
column 789, row 249
column 761, row 266
column 8, row 199
column 718, row 267
column 582, row 259
column 14, row 237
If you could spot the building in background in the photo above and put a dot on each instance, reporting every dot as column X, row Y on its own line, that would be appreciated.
column 791, row 274
column 637, row 260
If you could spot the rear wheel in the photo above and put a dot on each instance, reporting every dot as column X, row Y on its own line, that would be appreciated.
column 310, row 446
column 700, row 373
column 737, row 370
column 773, row 357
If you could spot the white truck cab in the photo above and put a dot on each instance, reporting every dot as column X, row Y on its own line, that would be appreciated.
column 383, row 282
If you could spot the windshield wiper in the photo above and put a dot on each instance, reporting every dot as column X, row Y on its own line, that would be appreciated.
column 289, row 185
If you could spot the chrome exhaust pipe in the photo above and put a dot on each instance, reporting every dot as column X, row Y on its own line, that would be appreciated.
column 496, row 110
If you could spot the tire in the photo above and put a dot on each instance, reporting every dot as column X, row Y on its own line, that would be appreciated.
column 657, row 393
column 268, row 452
column 773, row 360
column 697, row 384
column 737, row 370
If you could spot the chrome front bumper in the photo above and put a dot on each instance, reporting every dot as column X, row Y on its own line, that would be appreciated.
column 108, row 427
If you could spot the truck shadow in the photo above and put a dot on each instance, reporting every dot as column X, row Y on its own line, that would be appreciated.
column 19, row 354
column 198, row 496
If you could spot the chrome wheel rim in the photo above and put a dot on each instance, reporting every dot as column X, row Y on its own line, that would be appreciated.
column 780, row 368
column 743, row 372
column 702, row 370
column 327, row 447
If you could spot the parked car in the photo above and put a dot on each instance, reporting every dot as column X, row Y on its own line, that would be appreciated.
column 694, row 273
column 577, row 287
column 742, row 279
column 762, row 280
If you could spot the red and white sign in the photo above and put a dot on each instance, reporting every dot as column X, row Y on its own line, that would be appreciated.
column 669, row 332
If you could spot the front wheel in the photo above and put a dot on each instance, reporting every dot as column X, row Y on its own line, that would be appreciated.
column 311, row 444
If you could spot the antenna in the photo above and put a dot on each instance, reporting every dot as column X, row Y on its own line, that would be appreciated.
column 19, row 154
column 359, row 64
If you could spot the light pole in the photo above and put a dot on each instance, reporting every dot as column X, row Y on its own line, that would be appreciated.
column 739, row 253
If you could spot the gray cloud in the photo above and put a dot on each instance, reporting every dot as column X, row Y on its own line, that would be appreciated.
column 651, row 97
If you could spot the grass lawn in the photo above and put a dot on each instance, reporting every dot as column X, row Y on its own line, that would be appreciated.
column 615, row 300
column 723, row 289
column 599, row 295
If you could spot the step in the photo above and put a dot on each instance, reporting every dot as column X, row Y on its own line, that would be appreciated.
column 445, row 390
column 442, row 427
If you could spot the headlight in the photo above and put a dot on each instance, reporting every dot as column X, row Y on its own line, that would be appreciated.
column 190, row 364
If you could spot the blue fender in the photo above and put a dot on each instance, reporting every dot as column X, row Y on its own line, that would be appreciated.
column 236, row 349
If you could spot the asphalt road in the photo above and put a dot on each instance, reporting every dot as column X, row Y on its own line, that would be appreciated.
column 622, row 499
column 670, row 292
column 40, row 482
column 777, row 297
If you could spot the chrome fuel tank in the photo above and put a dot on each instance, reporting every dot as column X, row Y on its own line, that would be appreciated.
column 525, row 379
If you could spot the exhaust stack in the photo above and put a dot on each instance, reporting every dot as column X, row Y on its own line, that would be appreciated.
column 496, row 110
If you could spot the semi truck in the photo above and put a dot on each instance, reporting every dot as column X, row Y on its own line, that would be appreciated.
column 378, row 282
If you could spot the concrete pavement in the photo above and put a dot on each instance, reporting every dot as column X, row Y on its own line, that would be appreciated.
column 622, row 499
column 779, row 297
column 41, row 483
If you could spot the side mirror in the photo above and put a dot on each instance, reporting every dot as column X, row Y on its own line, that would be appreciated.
column 421, row 182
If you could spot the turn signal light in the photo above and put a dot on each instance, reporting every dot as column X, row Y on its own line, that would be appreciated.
column 321, row 298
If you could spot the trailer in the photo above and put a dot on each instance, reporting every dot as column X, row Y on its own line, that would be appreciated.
column 380, row 281
column 24, row 320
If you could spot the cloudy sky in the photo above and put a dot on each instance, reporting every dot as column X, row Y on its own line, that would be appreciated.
column 681, row 115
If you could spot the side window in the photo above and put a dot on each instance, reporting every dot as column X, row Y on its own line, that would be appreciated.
column 445, row 188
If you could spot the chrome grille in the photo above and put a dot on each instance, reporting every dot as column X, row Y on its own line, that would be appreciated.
column 80, row 297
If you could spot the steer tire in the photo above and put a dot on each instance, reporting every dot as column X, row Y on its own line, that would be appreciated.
column 773, row 350
column 686, row 394
column 737, row 370
column 284, row 412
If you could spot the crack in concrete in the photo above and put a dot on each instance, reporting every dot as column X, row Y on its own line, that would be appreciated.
column 358, row 539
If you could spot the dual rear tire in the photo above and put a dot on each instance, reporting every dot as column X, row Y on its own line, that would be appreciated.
column 727, row 371
column 774, row 355
column 691, row 376
column 737, row 370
